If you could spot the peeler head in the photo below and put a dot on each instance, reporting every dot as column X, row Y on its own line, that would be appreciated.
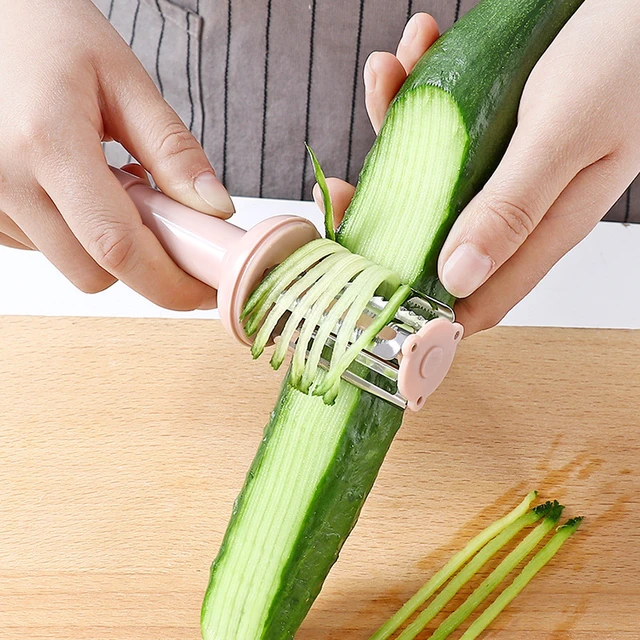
column 263, row 247
column 319, row 307
column 413, row 352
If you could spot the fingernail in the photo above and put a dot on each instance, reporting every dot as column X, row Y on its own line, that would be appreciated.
column 369, row 75
column 209, row 303
column 212, row 191
column 410, row 32
column 465, row 270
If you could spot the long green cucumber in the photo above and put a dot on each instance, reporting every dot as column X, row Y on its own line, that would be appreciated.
column 444, row 134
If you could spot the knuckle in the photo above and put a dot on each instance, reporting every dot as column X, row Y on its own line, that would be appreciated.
column 483, row 315
column 32, row 133
column 113, row 248
column 94, row 281
column 175, row 140
column 516, row 222
column 489, row 320
column 176, row 303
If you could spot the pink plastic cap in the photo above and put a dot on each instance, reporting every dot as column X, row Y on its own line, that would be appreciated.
column 260, row 249
column 426, row 359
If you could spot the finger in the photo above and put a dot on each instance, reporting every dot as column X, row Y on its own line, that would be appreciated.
column 139, row 118
column 9, row 228
column 104, row 219
column 341, row 194
column 532, row 174
column 571, row 218
column 46, row 231
column 419, row 34
column 12, row 243
column 383, row 77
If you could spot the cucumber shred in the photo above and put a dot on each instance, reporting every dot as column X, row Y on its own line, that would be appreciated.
column 285, row 300
column 268, row 291
column 470, row 560
column 463, row 556
column 322, row 314
column 316, row 302
column 550, row 511
column 303, row 289
column 444, row 134
column 482, row 592
column 329, row 387
column 313, row 301
column 522, row 580
column 329, row 230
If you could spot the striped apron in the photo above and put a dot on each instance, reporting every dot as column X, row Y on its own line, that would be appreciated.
column 254, row 79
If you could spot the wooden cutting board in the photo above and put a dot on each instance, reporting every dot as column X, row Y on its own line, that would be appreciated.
column 124, row 442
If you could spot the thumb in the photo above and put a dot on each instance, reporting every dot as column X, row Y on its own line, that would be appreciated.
column 341, row 193
column 139, row 118
column 533, row 172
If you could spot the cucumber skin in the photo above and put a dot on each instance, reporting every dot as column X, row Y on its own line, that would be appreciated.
column 370, row 428
column 483, row 62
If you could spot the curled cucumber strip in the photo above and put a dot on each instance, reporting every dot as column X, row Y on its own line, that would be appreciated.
column 322, row 286
column 329, row 229
column 337, row 271
column 289, row 270
column 383, row 318
column 314, row 319
column 287, row 300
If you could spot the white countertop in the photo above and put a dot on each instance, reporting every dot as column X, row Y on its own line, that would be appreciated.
column 595, row 285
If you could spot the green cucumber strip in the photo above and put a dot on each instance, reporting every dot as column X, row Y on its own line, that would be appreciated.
column 339, row 309
column 371, row 281
column 293, row 270
column 311, row 303
column 522, row 580
column 287, row 299
column 275, row 276
column 356, row 265
column 268, row 291
column 310, row 296
column 457, row 561
column 384, row 317
column 469, row 570
column 329, row 230
column 454, row 620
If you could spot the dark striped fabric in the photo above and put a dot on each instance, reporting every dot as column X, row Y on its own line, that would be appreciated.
column 255, row 79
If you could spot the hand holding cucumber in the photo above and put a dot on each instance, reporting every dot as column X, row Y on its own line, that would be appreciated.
column 575, row 150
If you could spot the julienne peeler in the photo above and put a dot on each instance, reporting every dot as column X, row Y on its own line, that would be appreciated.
column 413, row 352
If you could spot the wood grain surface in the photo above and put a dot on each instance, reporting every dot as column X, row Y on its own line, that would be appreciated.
column 124, row 442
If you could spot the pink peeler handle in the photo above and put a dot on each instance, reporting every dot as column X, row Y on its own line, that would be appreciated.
column 214, row 251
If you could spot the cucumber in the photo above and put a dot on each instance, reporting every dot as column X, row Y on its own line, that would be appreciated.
column 443, row 136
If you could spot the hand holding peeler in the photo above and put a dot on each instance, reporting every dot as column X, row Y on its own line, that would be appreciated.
column 414, row 351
